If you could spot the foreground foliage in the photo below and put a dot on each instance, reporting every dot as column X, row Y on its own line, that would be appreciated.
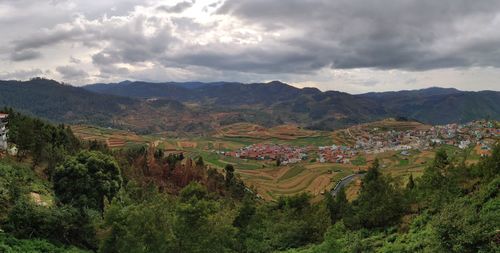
column 142, row 200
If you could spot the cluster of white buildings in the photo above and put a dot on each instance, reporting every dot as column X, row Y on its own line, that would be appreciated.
column 460, row 135
column 336, row 154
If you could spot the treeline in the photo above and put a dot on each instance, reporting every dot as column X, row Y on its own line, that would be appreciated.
column 144, row 200
column 42, row 141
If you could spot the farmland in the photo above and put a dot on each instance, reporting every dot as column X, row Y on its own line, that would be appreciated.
column 271, row 181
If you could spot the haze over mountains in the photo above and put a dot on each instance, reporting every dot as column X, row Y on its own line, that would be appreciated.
column 202, row 107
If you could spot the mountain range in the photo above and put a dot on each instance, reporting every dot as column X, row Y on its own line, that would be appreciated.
column 196, row 107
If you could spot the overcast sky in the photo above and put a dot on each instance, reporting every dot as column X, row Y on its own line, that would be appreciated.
column 348, row 45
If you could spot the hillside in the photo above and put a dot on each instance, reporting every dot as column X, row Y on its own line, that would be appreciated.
column 322, row 110
column 63, row 103
column 439, row 105
column 202, row 108
column 68, row 104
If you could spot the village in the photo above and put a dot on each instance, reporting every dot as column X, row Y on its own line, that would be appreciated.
column 479, row 134
column 283, row 153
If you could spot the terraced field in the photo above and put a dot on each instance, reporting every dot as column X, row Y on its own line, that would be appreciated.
column 112, row 137
column 283, row 132
column 314, row 178
column 271, row 181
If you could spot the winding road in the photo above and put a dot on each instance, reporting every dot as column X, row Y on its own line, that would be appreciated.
column 343, row 182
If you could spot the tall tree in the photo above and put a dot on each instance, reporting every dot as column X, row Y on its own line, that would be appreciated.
column 86, row 179
column 380, row 202
column 339, row 206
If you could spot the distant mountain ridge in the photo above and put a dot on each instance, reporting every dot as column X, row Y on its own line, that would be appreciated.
column 197, row 107
column 433, row 105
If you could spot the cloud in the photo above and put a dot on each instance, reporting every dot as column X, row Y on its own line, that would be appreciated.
column 177, row 8
column 24, row 74
column 71, row 73
column 300, row 41
column 390, row 34
column 25, row 55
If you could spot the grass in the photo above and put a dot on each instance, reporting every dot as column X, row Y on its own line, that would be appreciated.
column 293, row 172
column 22, row 176
column 404, row 162
column 359, row 161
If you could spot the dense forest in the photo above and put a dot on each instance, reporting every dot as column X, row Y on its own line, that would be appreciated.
column 62, row 194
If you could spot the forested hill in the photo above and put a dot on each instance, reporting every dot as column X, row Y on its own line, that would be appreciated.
column 197, row 107
column 325, row 109
column 60, row 102
column 64, row 103
column 439, row 105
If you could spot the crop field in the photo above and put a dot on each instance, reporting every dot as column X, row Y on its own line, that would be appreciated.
column 283, row 132
column 391, row 124
column 313, row 178
column 272, row 181
column 112, row 137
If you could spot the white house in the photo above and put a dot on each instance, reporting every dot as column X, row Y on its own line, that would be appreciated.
column 464, row 144
column 3, row 131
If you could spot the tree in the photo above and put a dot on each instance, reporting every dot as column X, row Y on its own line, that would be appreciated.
column 229, row 169
column 143, row 226
column 198, row 224
column 337, row 207
column 245, row 213
column 379, row 204
column 86, row 179
column 63, row 224
column 411, row 183
column 199, row 162
column 437, row 186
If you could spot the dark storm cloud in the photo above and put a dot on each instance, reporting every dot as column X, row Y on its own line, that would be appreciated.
column 47, row 38
column 71, row 72
column 389, row 34
column 25, row 55
column 260, row 60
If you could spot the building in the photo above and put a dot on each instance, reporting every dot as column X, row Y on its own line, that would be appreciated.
column 3, row 131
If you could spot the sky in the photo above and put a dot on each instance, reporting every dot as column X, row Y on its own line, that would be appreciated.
column 354, row 46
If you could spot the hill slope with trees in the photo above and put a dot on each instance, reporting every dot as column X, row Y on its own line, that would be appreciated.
column 201, row 108
column 325, row 109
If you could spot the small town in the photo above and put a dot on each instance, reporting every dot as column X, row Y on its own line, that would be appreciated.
column 479, row 134
column 284, row 153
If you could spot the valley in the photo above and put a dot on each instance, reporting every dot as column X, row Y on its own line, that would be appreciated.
column 413, row 149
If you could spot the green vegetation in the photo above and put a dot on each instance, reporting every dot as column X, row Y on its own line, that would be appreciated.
column 142, row 199
column 10, row 244
column 87, row 179
column 449, row 214
column 359, row 161
column 404, row 162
